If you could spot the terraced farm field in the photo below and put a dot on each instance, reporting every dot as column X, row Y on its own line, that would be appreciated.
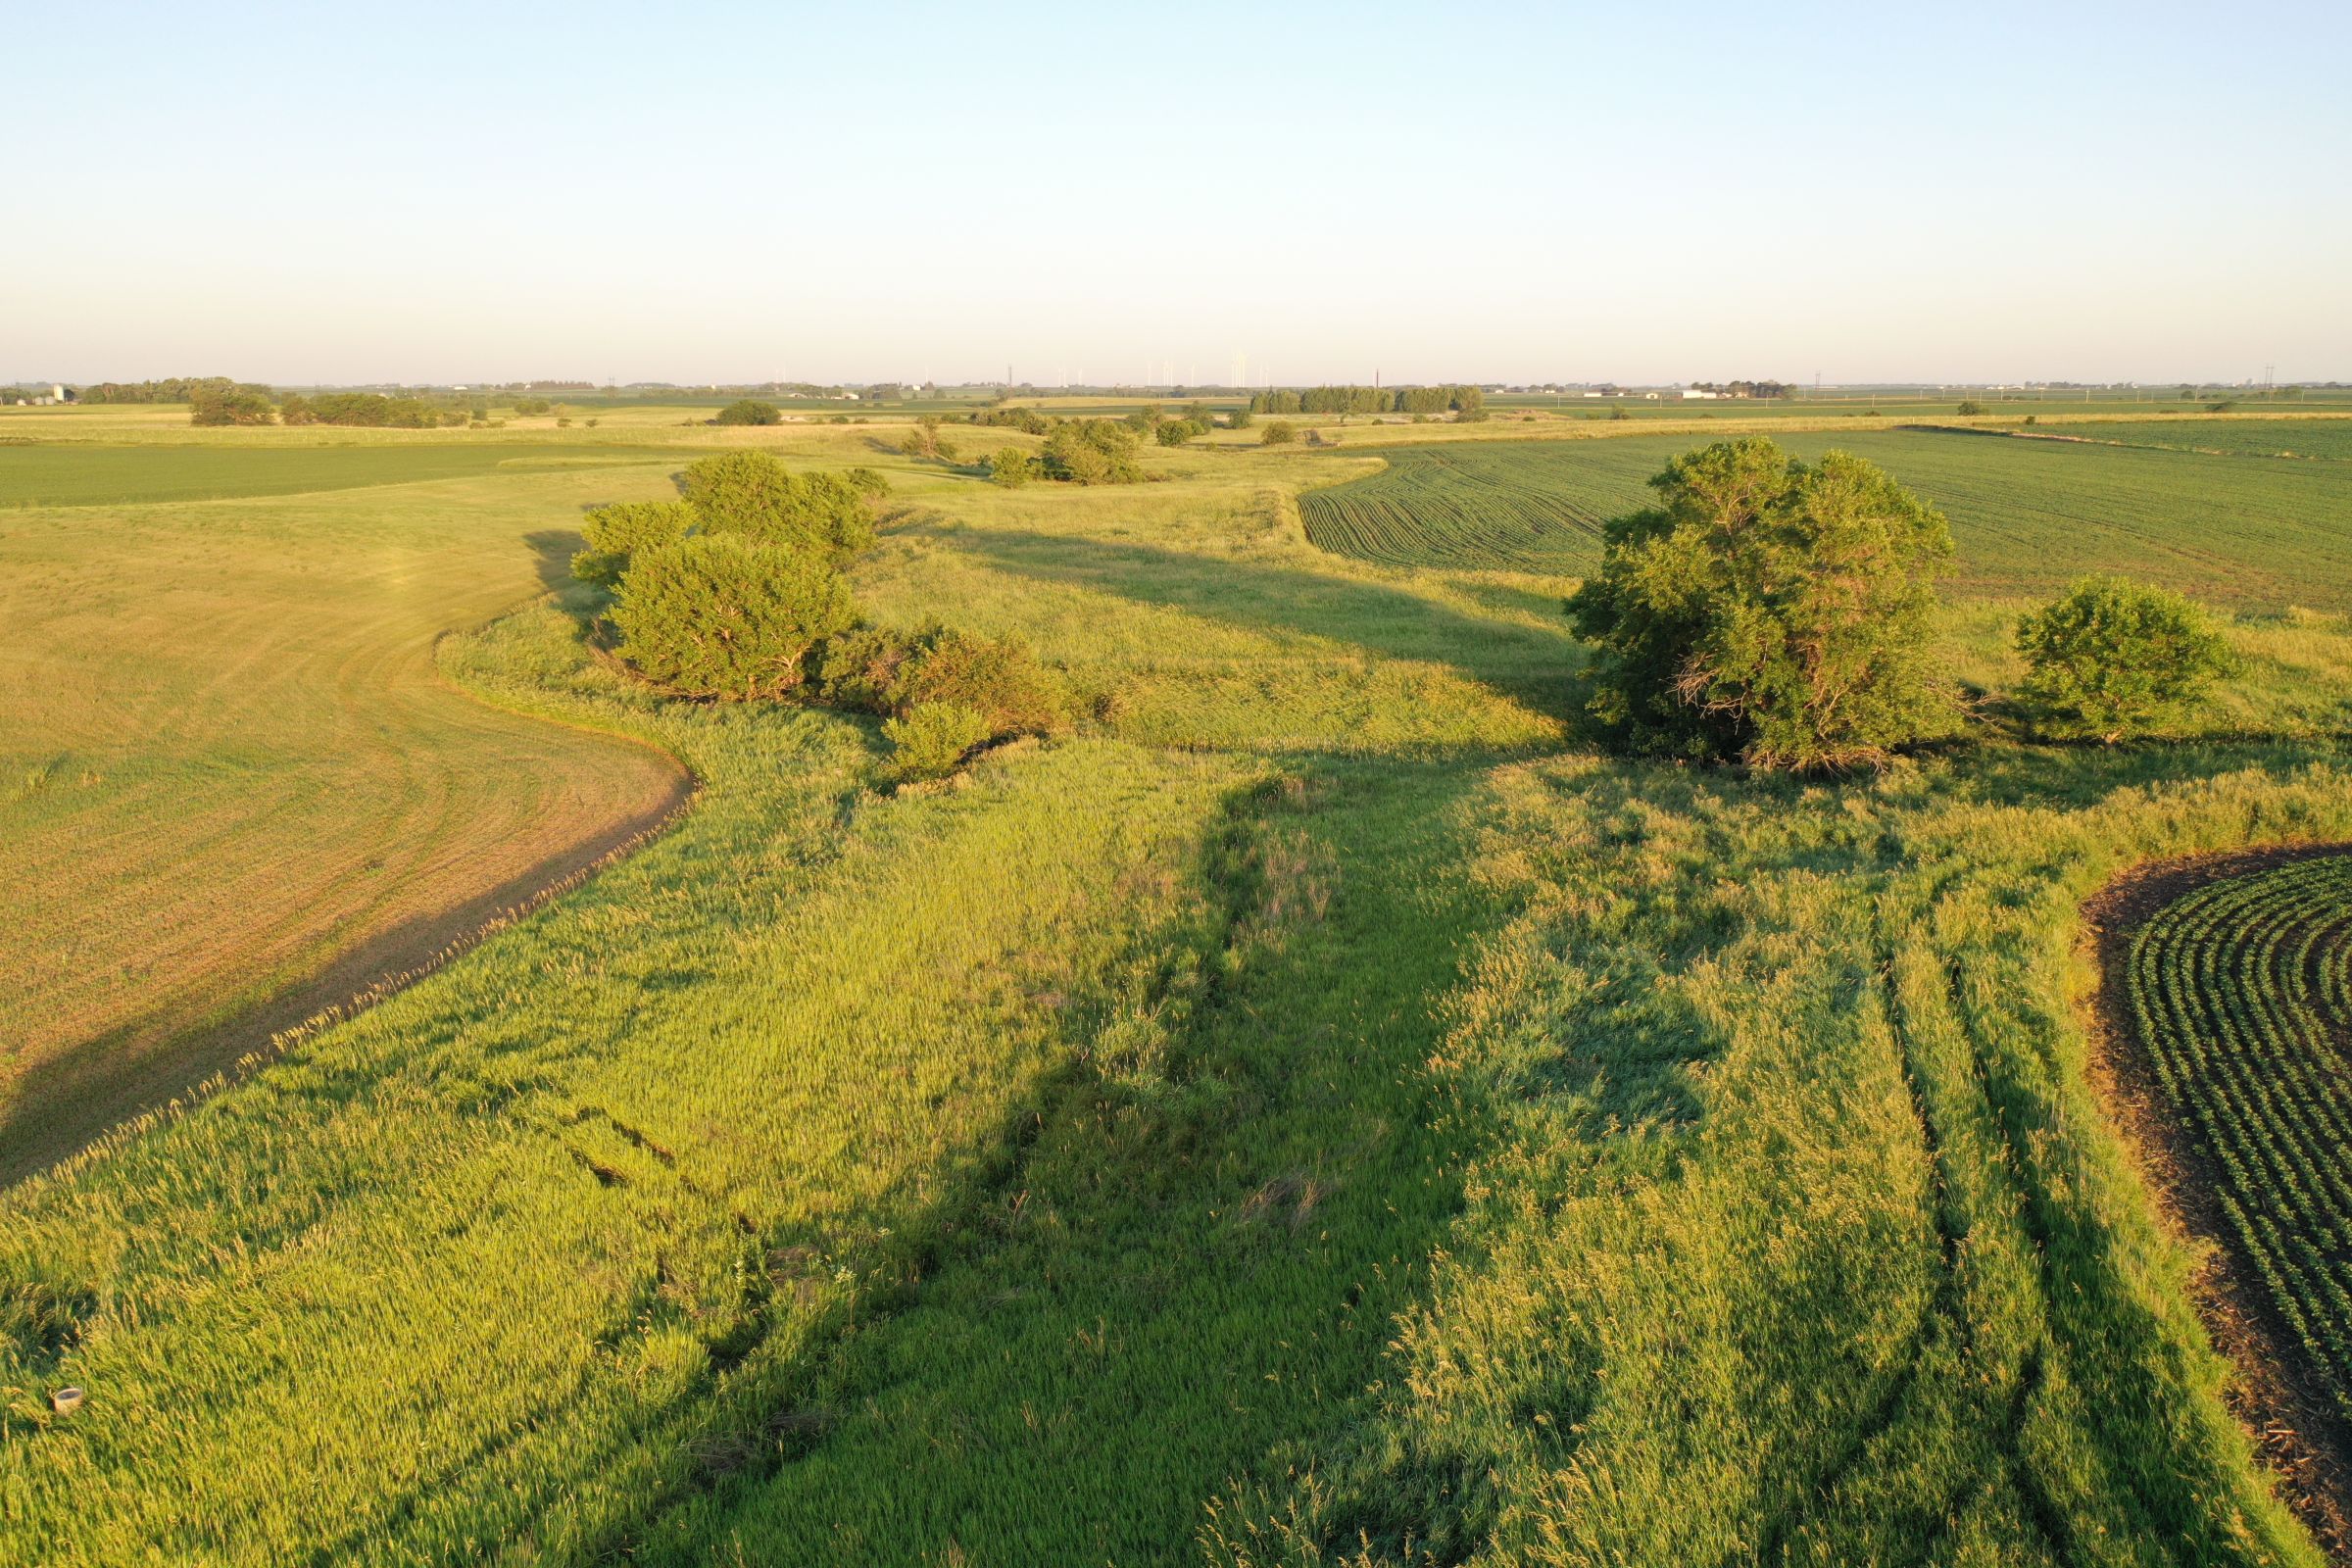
column 2027, row 516
column 2243, row 994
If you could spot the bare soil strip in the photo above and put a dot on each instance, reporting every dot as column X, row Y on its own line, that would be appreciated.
column 2301, row 1438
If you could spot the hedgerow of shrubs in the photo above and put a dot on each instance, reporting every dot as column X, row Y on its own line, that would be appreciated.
column 736, row 592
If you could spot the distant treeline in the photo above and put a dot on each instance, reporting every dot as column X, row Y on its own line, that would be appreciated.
column 171, row 389
column 371, row 409
column 1747, row 389
column 1371, row 400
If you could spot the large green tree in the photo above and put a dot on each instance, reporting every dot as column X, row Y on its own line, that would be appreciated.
column 726, row 616
column 616, row 533
column 1770, row 611
column 750, row 411
column 751, row 494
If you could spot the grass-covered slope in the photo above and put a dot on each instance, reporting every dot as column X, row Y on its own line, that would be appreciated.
column 1314, row 1115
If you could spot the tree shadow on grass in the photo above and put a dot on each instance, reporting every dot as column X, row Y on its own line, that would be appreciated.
column 1529, row 666
column 552, row 549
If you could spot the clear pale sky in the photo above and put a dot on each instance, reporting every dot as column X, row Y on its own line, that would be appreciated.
column 868, row 191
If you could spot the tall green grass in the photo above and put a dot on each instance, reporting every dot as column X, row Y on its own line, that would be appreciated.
column 1314, row 1115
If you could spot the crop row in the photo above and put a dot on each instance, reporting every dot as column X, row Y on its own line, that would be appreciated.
column 2244, row 995
column 1526, row 509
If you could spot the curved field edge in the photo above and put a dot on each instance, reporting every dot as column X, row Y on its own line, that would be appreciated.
column 113, row 1099
column 214, row 1055
column 2291, row 1416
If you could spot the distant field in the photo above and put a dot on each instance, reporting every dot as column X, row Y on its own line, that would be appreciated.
column 1903, row 404
column 2329, row 439
column 2026, row 515
column 80, row 475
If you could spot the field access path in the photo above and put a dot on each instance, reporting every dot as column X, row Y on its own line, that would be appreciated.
column 241, row 793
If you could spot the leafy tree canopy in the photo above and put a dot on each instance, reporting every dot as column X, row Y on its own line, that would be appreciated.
column 750, row 411
column 2114, row 659
column 1091, row 452
column 751, row 494
column 616, row 533
column 1771, row 611
column 724, row 616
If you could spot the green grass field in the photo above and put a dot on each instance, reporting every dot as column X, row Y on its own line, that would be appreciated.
column 1319, row 1113
column 80, row 475
column 2026, row 515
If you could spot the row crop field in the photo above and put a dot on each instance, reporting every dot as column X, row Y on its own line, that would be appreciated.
column 2242, row 993
column 2327, row 439
column 79, row 474
column 2028, row 515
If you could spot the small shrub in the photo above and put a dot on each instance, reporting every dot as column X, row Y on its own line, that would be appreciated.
column 1000, row 678
column 749, row 411
column 868, row 482
column 1240, row 420
column 932, row 740
column 2114, row 659
column 615, row 532
column 1969, row 406
column 866, row 669
column 1278, row 433
column 1011, row 467
column 725, row 617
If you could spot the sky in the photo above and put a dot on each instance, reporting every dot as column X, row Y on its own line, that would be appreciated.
column 1515, row 192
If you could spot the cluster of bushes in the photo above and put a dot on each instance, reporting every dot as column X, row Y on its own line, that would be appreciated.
column 1467, row 401
column 1781, row 614
column 217, row 403
column 1028, row 420
column 735, row 592
column 942, row 693
column 750, row 411
column 369, row 409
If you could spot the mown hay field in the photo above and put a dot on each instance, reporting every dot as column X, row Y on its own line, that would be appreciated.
column 231, row 777
column 1315, row 1113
